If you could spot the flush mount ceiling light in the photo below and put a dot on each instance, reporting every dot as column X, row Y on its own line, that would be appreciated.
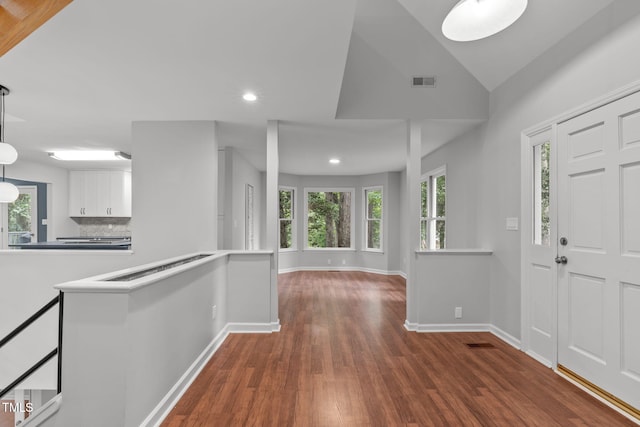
column 8, row 192
column 334, row 161
column 89, row 155
column 476, row 19
column 249, row 97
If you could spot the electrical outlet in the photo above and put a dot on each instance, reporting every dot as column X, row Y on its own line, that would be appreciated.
column 214, row 311
column 329, row 261
column 344, row 262
column 458, row 312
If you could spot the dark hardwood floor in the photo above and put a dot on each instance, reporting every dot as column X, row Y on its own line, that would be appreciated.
column 343, row 358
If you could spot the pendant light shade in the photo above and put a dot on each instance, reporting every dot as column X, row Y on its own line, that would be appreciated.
column 8, row 154
column 8, row 192
column 476, row 19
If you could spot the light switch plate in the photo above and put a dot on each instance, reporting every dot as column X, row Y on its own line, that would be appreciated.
column 512, row 224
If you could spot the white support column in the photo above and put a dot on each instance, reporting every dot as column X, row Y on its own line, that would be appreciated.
column 414, row 152
column 272, row 214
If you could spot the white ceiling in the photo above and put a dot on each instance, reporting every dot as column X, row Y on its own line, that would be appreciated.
column 335, row 72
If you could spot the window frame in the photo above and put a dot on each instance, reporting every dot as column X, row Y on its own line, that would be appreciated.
column 541, row 236
column 366, row 219
column 352, row 239
column 431, row 219
column 294, row 219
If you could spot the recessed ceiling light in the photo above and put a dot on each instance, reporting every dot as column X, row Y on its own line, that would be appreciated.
column 249, row 96
column 89, row 155
column 476, row 19
column 334, row 161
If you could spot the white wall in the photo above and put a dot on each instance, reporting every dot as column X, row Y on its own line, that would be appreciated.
column 175, row 185
column 447, row 281
column 462, row 159
column 172, row 162
column 59, row 224
column 598, row 58
column 27, row 284
column 238, row 172
column 131, row 350
column 387, row 261
column 125, row 350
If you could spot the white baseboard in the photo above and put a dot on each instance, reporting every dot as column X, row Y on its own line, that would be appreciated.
column 344, row 268
column 539, row 358
column 450, row 327
column 508, row 338
column 160, row 412
column 253, row 328
column 411, row 327
column 463, row 327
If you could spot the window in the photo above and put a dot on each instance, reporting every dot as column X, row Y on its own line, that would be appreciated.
column 541, row 223
column 329, row 216
column 287, row 218
column 373, row 218
column 20, row 218
column 433, row 210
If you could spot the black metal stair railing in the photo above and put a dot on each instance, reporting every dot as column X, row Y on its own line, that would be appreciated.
column 57, row 351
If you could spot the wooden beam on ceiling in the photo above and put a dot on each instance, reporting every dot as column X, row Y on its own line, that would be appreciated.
column 19, row 18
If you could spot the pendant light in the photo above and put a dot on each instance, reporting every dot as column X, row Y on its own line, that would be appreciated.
column 8, row 192
column 476, row 19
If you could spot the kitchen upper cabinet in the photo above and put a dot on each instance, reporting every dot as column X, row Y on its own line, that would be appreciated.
column 94, row 193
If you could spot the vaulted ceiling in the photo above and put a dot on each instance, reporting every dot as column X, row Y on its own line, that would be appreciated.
column 336, row 72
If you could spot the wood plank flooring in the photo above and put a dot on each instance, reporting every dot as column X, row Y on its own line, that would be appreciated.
column 343, row 358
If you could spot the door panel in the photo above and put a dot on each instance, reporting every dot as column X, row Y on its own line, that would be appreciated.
column 587, row 195
column 630, row 321
column 540, row 297
column 630, row 229
column 586, row 316
column 630, row 127
column 599, row 214
column 586, row 142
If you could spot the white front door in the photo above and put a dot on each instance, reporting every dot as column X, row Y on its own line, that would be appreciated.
column 599, row 215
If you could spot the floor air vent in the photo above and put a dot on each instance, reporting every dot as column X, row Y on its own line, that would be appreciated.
column 480, row 345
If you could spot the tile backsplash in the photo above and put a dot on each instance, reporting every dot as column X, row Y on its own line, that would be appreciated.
column 95, row 227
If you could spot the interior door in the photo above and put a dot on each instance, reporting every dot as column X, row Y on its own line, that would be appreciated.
column 539, row 295
column 599, row 278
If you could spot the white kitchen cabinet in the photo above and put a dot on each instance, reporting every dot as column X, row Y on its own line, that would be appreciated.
column 99, row 193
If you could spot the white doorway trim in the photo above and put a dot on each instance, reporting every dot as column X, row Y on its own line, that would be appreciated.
column 526, row 207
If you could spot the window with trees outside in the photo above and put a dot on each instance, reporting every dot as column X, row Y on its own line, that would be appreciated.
column 433, row 190
column 541, row 222
column 329, row 216
column 373, row 219
column 287, row 218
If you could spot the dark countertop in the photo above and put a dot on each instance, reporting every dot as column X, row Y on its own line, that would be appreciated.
column 77, row 245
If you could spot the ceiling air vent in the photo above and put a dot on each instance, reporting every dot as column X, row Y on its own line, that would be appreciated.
column 423, row 81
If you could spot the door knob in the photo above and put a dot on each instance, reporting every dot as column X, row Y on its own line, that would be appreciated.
column 561, row 259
